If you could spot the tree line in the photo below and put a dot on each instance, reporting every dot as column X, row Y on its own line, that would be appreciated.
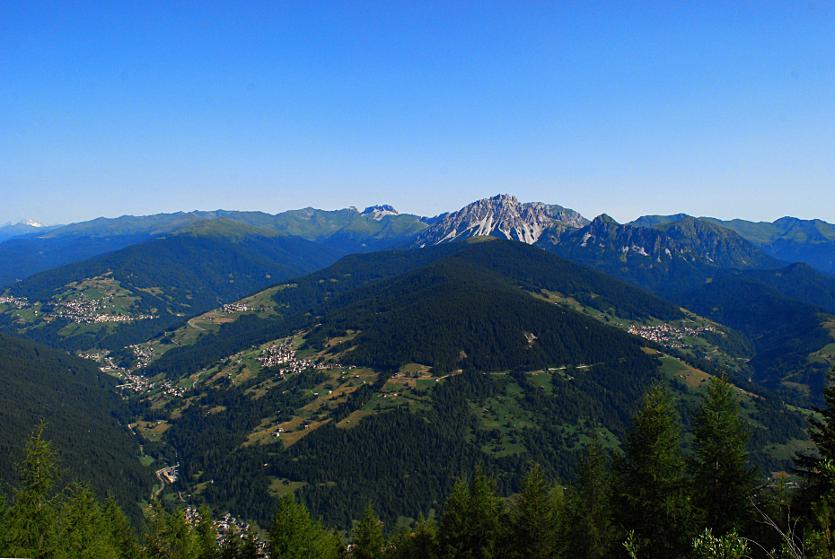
column 650, row 501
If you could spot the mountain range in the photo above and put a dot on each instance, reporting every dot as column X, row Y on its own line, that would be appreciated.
column 342, row 231
column 788, row 239
column 26, row 249
column 268, row 354
column 24, row 227
column 483, row 351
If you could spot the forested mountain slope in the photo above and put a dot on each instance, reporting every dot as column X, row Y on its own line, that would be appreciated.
column 82, row 413
column 453, row 315
column 668, row 259
column 794, row 342
column 788, row 239
column 126, row 296
column 385, row 375
column 343, row 283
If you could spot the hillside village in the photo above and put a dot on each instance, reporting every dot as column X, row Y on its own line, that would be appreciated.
column 84, row 310
column 16, row 302
column 669, row 335
column 282, row 358
column 78, row 310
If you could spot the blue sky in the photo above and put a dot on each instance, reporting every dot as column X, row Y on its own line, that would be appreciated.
column 711, row 108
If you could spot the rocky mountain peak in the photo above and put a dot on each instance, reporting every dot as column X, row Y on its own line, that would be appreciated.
column 501, row 216
column 379, row 211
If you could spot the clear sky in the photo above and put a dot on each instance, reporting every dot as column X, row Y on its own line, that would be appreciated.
column 711, row 108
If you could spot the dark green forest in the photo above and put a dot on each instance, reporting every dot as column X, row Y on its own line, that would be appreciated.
column 85, row 415
column 651, row 500
column 406, row 459
column 363, row 281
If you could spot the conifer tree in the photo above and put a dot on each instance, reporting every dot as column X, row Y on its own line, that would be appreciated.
column 31, row 520
column 822, row 433
column 722, row 478
column 587, row 526
column 419, row 543
column 368, row 539
column 472, row 525
column 453, row 533
column 122, row 533
column 84, row 531
column 169, row 535
column 535, row 518
column 652, row 487
column 239, row 545
column 295, row 535
column 249, row 546
column 819, row 469
column 206, row 534
column 232, row 546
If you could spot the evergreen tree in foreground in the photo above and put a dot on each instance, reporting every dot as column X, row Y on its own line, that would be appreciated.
column 588, row 530
column 419, row 543
column 723, row 479
column 822, row 433
column 535, row 516
column 84, row 530
column 368, row 539
column 122, row 533
column 819, row 492
column 30, row 524
column 295, row 535
column 651, row 483
column 472, row 525
column 169, row 536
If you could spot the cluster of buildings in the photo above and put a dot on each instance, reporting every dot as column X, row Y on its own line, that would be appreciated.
column 16, row 302
column 142, row 354
column 283, row 357
column 92, row 311
column 669, row 335
column 139, row 385
column 227, row 526
column 107, row 364
column 235, row 308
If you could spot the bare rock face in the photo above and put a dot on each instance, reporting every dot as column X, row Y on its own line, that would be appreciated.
column 501, row 216
column 379, row 212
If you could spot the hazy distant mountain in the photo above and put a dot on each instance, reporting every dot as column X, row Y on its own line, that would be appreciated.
column 349, row 230
column 793, row 240
column 25, row 227
column 344, row 231
column 666, row 258
column 29, row 249
column 657, row 252
column 128, row 295
column 789, row 239
column 501, row 216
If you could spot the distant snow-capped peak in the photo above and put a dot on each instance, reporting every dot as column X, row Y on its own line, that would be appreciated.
column 379, row 211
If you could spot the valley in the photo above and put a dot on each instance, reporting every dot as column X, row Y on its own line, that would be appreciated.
column 265, row 294
column 469, row 349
